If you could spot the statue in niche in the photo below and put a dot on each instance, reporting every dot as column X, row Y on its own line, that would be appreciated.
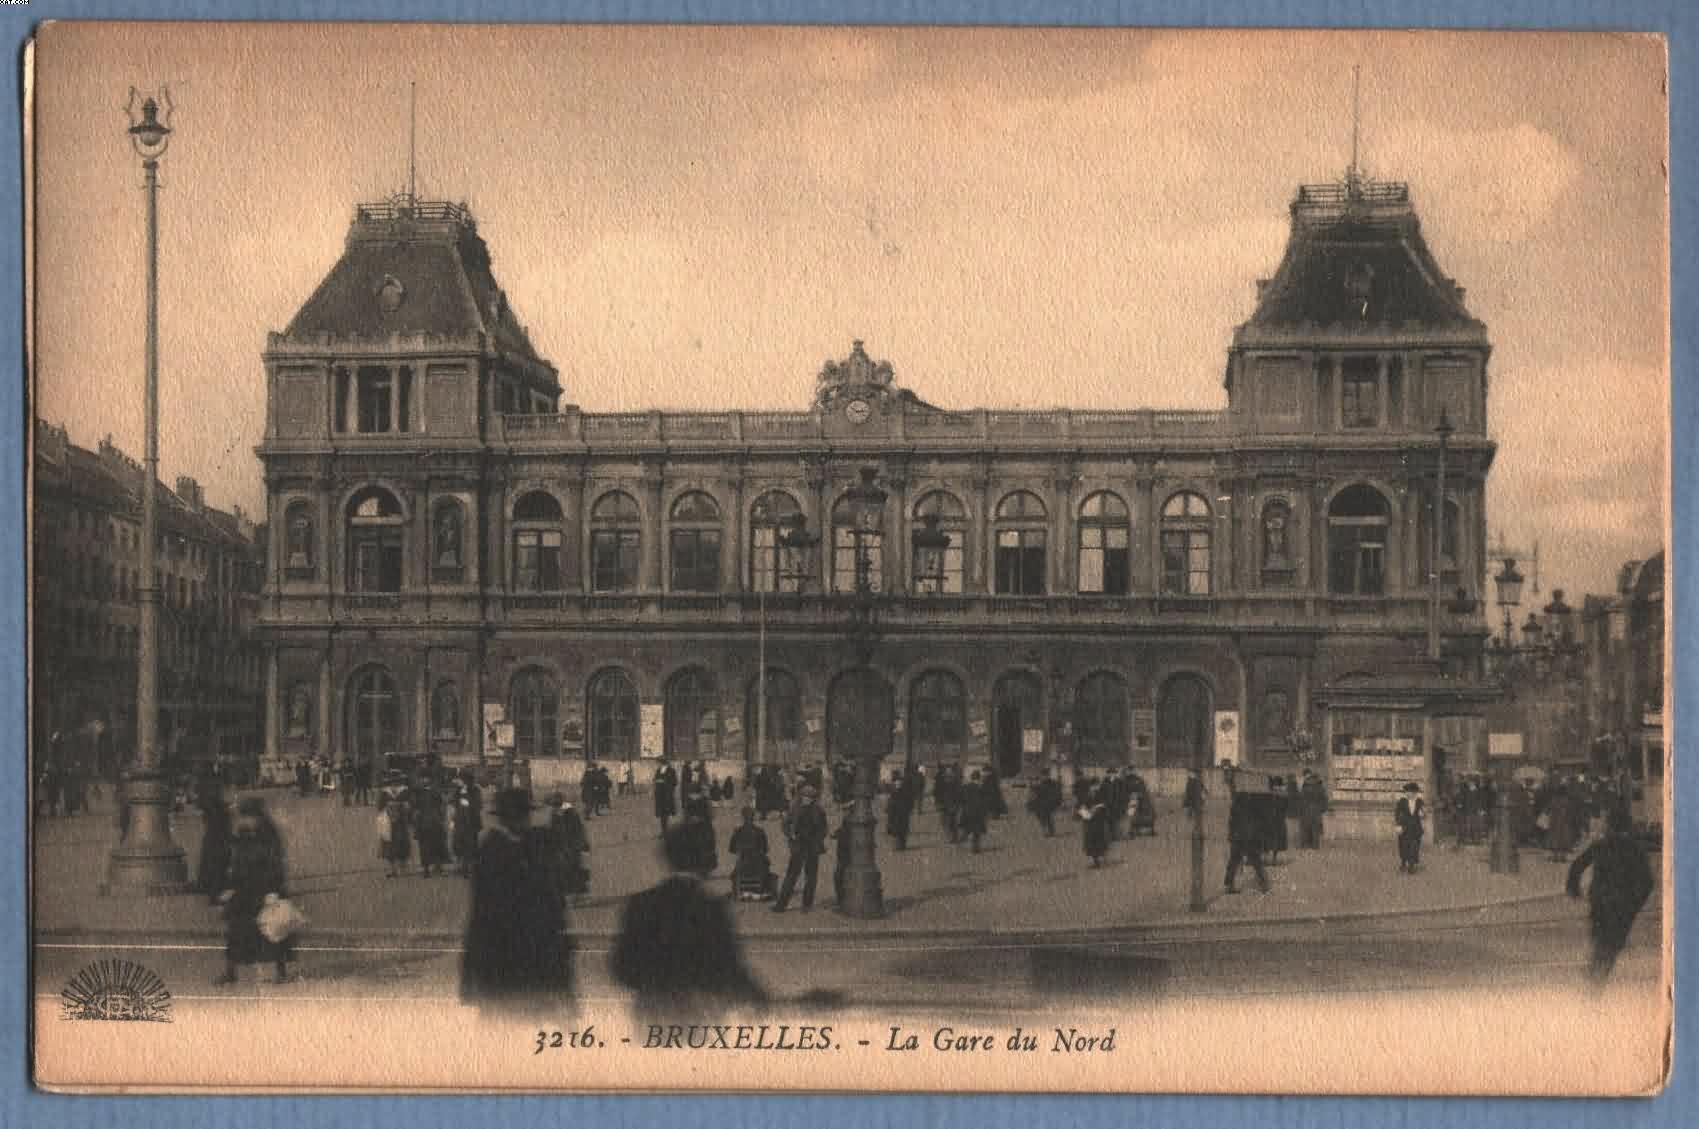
column 1276, row 718
column 447, row 712
column 1275, row 519
column 448, row 537
column 300, row 711
column 300, row 540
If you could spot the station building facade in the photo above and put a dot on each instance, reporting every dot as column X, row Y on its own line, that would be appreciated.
column 452, row 540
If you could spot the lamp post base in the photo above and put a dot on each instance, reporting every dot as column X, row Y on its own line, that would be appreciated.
column 148, row 861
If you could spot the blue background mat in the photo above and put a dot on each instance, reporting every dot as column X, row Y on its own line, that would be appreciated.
column 21, row 1106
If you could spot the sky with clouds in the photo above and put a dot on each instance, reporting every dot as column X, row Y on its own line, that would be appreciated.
column 700, row 218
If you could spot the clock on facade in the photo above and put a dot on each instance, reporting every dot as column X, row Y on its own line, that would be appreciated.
column 858, row 411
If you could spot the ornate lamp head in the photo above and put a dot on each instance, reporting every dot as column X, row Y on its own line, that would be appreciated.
column 150, row 123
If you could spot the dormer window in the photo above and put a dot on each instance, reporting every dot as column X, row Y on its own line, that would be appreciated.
column 1359, row 393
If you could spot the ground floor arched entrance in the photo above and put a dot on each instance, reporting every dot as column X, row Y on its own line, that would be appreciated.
column 1183, row 729
column 860, row 711
column 1017, row 704
column 374, row 716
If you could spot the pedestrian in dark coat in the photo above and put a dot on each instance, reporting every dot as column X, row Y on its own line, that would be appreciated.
column 363, row 782
column 430, row 825
column 1312, row 806
column 257, row 869
column 216, row 835
column 752, row 874
column 1622, row 881
column 898, row 809
column 345, row 781
column 1274, row 819
column 1245, row 835
column 1045, row 800
column 1559, row 825
column 395, row 840
column 468, row 823
column 996, row 806
column 517, row 955
column 1096, row 830
column 1193, row 802
column 1410, row 814
column 677, row 950
column 807, row 834
column 571, row 842
column 950, row 793
column 976, row 807
column 665, row 807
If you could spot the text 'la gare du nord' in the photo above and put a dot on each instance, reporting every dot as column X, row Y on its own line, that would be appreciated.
column 677, row 1036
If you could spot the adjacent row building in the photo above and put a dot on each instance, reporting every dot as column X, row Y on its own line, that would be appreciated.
column 86, row 544
column 455, row 548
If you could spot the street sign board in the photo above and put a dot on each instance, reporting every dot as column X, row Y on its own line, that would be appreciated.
column 1504, row 745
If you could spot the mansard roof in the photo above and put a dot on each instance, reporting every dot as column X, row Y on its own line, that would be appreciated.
column 412, row 268
column 1356, row 261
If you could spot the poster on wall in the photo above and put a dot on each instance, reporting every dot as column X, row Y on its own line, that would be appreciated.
column 1227, row 737
column 652, row 731
column 1032, row 740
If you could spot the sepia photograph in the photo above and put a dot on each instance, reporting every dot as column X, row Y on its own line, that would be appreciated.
column 615, row 558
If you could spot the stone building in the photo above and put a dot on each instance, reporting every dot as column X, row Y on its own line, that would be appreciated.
column 86, row 545
column 451, row 539
column 1623, row 642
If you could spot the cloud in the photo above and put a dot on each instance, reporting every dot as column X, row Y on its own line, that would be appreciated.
column 1481, row 186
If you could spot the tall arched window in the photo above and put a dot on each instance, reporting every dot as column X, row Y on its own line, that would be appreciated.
column 937, row 719
column 616, row 538
column 537, row 539
column 857, row 535
column 613, row 716
column 1185, row 545
column 780, row 743
column 374, row 541
column 952, row 521
column 1356, row 542
column 693, row 716
column 1100, row 720
column 772, row 566
column 448, row 541
column 374, row 715
column 694, row 541
column 445, row 712
column 300, row 555
column 1105, row 539
column 1021, row 543
column 534, row 707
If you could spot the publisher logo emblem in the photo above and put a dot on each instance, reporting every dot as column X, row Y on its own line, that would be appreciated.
column 116, row 989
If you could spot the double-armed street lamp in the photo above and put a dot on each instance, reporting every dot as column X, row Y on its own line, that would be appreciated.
column 148, row 861
column 863, row 895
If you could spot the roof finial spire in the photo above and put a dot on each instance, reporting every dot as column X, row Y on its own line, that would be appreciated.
column 412, row 134
column 1353, row 174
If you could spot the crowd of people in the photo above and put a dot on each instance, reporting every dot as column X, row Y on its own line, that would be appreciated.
column 1554, row 814
column 528, row 861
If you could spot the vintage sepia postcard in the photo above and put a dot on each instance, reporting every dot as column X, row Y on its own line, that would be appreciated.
column 677, row 558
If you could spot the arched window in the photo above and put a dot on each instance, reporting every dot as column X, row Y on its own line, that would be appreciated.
column 613, row 716
column 374, row 715
column 1356, row 542
column 694, row 541
column 1105, row 537
column 1100, row 720
column 374, row 542
column 1185, row 545
column 1021, row 533
column 772, row 566
column 537, row 521
column 693, row 716
column 299, row 543
column 937, row 719
column 857, row 536
column 533, row 707
column 616, row 537
column 1278, row 561
column 784, row 719
column 448, row 529
column 445, row 712
column 941, row 574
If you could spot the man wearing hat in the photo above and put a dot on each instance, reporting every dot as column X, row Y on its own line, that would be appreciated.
column 807, row 834
column 1411, row 815
column 517, row 954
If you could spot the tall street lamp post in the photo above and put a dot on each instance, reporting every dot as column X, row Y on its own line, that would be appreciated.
column 1503, row 859
column 863, row 896
column 148, row 861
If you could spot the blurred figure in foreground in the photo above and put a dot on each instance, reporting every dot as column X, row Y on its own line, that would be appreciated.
column 1622, row 881
column 676, row 949
column 518, row 954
